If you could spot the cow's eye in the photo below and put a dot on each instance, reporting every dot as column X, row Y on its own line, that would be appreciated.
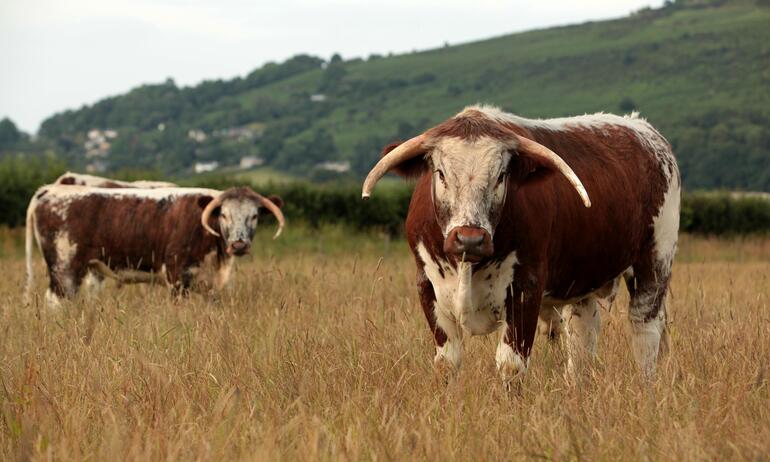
column 224, row 217
column 501, row 178
column 254, row 217
column 441, row 176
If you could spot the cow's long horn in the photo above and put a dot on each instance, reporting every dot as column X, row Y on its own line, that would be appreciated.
column 216, row 202
column 541, row 152
column 268, row 204
column 405, row 151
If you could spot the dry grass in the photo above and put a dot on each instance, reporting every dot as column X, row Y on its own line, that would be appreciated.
column 322, row 352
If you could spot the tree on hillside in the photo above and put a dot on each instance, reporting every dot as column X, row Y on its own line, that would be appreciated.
column 305, row 152
column 9, row 134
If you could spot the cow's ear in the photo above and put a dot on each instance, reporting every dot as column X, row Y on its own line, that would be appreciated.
column 410, row 168
column 203, row 201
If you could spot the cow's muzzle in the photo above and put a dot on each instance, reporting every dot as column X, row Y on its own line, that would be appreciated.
column 469, row 243
column 238, row 248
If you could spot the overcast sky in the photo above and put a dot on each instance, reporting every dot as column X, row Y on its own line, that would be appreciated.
column 61, row 54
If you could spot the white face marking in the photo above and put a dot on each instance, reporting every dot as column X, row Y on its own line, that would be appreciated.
column 477, row 307
column 238, row 219
column 466, row 181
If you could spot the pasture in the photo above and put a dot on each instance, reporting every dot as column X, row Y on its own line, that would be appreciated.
column 320, row 351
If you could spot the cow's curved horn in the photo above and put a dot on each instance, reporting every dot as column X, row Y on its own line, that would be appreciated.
column 216, row 202
column 404, row 151
column 541, row 152
column 268, row 204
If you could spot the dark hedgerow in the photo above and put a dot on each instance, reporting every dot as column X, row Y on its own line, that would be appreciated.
column 718, row 214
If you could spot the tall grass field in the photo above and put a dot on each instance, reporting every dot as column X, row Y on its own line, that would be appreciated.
column 319, row 351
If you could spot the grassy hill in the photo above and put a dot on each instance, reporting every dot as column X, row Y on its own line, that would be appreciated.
column 699, row 71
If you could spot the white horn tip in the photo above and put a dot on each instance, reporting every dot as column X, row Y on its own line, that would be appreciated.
column 365, row 196
column 586, row 199
column 277, row 233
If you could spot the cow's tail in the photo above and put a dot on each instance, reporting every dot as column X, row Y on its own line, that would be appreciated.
column 29, row 242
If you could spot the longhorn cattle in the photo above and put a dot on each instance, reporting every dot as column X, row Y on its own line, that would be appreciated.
column 170, row 231
column 95, row 279
column 511, row 216
column 82, row 179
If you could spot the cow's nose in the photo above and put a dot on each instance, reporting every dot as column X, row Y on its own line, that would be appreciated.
column 239, row 247
column 470, row 240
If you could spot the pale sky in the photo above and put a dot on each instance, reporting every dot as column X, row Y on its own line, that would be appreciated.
column 62, row 54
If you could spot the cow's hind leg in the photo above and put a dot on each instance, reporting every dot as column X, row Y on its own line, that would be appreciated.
column 648, row 287
column 647, row 313
column 549, row 322
column 582, row 324
column 64, row 271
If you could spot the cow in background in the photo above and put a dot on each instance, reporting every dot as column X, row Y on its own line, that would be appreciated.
column 169, row 231
column 82, row 179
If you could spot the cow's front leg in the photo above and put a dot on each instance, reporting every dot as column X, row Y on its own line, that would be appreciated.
column 224, row 272
column 445, row 333
column 522, row 305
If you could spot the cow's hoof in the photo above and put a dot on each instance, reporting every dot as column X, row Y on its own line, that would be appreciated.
column 510, row 365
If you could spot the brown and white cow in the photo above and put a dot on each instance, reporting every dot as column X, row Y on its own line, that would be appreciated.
column 170, row 231
column 82, row 179
column 501, row 227
column 95, row 279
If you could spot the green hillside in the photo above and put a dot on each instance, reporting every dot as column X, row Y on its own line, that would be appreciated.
column 698, row 70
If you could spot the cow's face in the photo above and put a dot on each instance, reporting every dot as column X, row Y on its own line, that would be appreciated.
column 472, row 159
column 238, row 219
column 237, row 216
column 469, row 182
